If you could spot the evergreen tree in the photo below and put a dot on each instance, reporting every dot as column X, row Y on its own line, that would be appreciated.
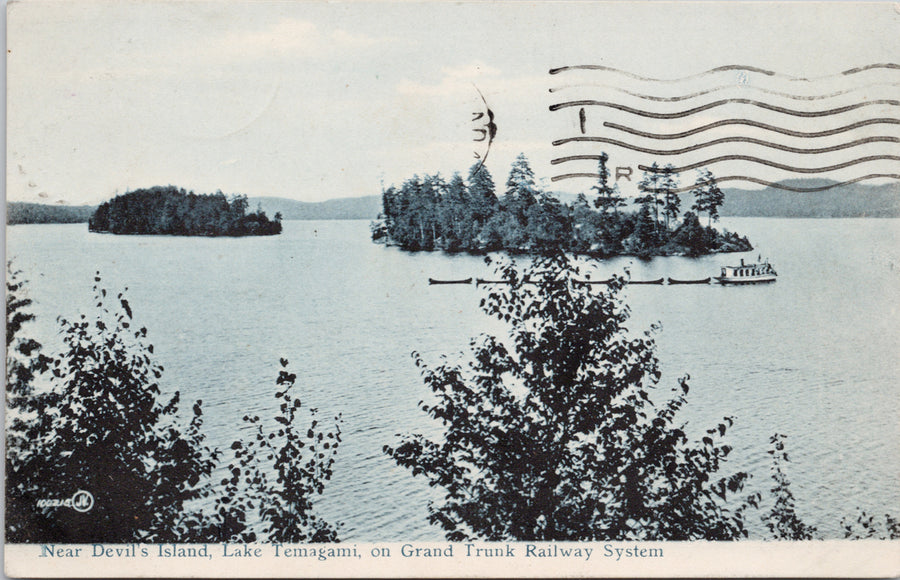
column 645, row 236
column 650, row 185
column 668, row 183
column 548, row 225
column 482, row 193
column 455, row 220
column 434, row 191
column 692, row 235
column 584, row 224
column 707, row 195
column 607, row 196
column 521, row 190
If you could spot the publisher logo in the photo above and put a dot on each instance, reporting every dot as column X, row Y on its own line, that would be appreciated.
column 81, row 501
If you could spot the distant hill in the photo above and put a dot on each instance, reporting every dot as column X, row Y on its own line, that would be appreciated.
column 19, row 212
column 854, row 200
column 348, row 208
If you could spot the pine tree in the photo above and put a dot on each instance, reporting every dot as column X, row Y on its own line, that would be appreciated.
column 668, row 183
column 650, row 184
column 645, row 233
column 521, row 190
column 483, row 195
column 607, row 196
column 707, row 195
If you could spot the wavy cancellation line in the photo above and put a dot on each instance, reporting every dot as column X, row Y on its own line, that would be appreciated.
column 714, row 104
column 730, row 67
column 776, row 165
column 755, row 124
column 714, row 142
column 772, row 184
column 720, row 88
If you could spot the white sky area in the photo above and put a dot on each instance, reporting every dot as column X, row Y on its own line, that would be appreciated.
column 314, row 101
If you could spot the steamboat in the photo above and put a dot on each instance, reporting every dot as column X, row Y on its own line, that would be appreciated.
column 759, row 273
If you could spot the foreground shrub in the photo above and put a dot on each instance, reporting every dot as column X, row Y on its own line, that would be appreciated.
column 274, row 477
column 551, row 433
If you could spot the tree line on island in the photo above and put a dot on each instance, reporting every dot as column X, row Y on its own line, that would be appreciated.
column 173, row 211
column 551, row 431
column 467, row 216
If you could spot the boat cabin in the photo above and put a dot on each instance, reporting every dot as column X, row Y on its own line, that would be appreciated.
column 747, row 273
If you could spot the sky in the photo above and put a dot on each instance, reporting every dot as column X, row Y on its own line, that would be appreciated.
column 315, row 101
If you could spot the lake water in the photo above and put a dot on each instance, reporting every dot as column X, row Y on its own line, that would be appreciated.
column 813, row 356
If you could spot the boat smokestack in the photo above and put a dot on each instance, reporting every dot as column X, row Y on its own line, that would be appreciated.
column 742, row 261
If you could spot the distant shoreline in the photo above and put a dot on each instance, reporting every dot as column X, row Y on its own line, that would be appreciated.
column 864, row 202
column 879, row 217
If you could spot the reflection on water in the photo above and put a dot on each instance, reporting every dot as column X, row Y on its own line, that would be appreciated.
column 813, row 356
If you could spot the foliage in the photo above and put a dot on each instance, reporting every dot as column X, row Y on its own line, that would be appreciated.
column 254, row 505
column 671, row 202
column 551, row 433
column 645, row 234
column 784, row 523
column 521, row 190
column 782, row 520
column 707, row 195
column 426, row 213
column 867, row 527
column 101, row 427
column 24, row 363
column 650, row 186
column 172, row 211
column 607, row 196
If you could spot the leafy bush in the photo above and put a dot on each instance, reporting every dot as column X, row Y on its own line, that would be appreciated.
column 102, row 427
column 24, row 362
column 551, row 432
column 782, row 520
column 867, row 527
column 300, row 461
column 784, row 523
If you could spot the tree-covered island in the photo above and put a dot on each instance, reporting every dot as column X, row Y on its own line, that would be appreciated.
column 467, row 216
column 173, row 211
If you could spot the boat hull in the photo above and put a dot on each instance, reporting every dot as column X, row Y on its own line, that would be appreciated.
column 743, row 281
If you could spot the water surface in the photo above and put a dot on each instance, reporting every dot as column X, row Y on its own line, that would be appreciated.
column 813, row 356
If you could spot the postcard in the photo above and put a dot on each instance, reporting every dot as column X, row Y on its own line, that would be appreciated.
column 452, row 289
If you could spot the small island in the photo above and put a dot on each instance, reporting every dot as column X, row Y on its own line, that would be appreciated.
column 173, row 211
column 467, row 216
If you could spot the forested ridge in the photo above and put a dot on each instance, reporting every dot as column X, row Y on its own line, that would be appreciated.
column 173, row 211
column 467, row 216
column 20, row 212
